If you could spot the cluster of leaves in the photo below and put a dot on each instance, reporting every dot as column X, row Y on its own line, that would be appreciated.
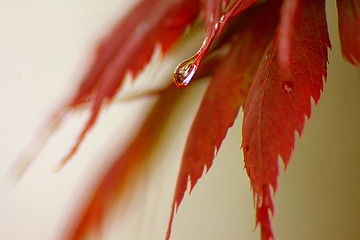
column 268, row 57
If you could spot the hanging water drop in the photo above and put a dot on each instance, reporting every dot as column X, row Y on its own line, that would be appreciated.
column 185, row 71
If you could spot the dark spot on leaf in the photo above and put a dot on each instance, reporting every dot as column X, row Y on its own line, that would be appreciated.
column 246, row 148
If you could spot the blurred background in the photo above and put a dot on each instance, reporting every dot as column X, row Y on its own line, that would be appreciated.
column 45, row 47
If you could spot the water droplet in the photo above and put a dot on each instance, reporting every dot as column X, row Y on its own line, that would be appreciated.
column 288, row 86
column 185, row 71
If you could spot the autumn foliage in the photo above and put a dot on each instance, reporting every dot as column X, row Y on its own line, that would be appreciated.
column 267, row 57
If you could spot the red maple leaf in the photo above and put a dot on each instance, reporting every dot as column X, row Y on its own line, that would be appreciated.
column 278, row 101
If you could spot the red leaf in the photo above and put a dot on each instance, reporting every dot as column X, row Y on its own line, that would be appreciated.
column 129, row 49
column 278, row 102
column 349, row 29
column 120, row 175
column 225, row 94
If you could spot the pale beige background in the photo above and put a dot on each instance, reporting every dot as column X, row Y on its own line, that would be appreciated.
column 44, row 49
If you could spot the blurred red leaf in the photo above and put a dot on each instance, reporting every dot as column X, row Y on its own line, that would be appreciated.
column 278, row 102
column 349, row 29
column 124, row 170
column 128, row 49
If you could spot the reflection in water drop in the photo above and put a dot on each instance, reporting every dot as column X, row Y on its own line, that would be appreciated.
column 185, row 71
column 288, row 86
